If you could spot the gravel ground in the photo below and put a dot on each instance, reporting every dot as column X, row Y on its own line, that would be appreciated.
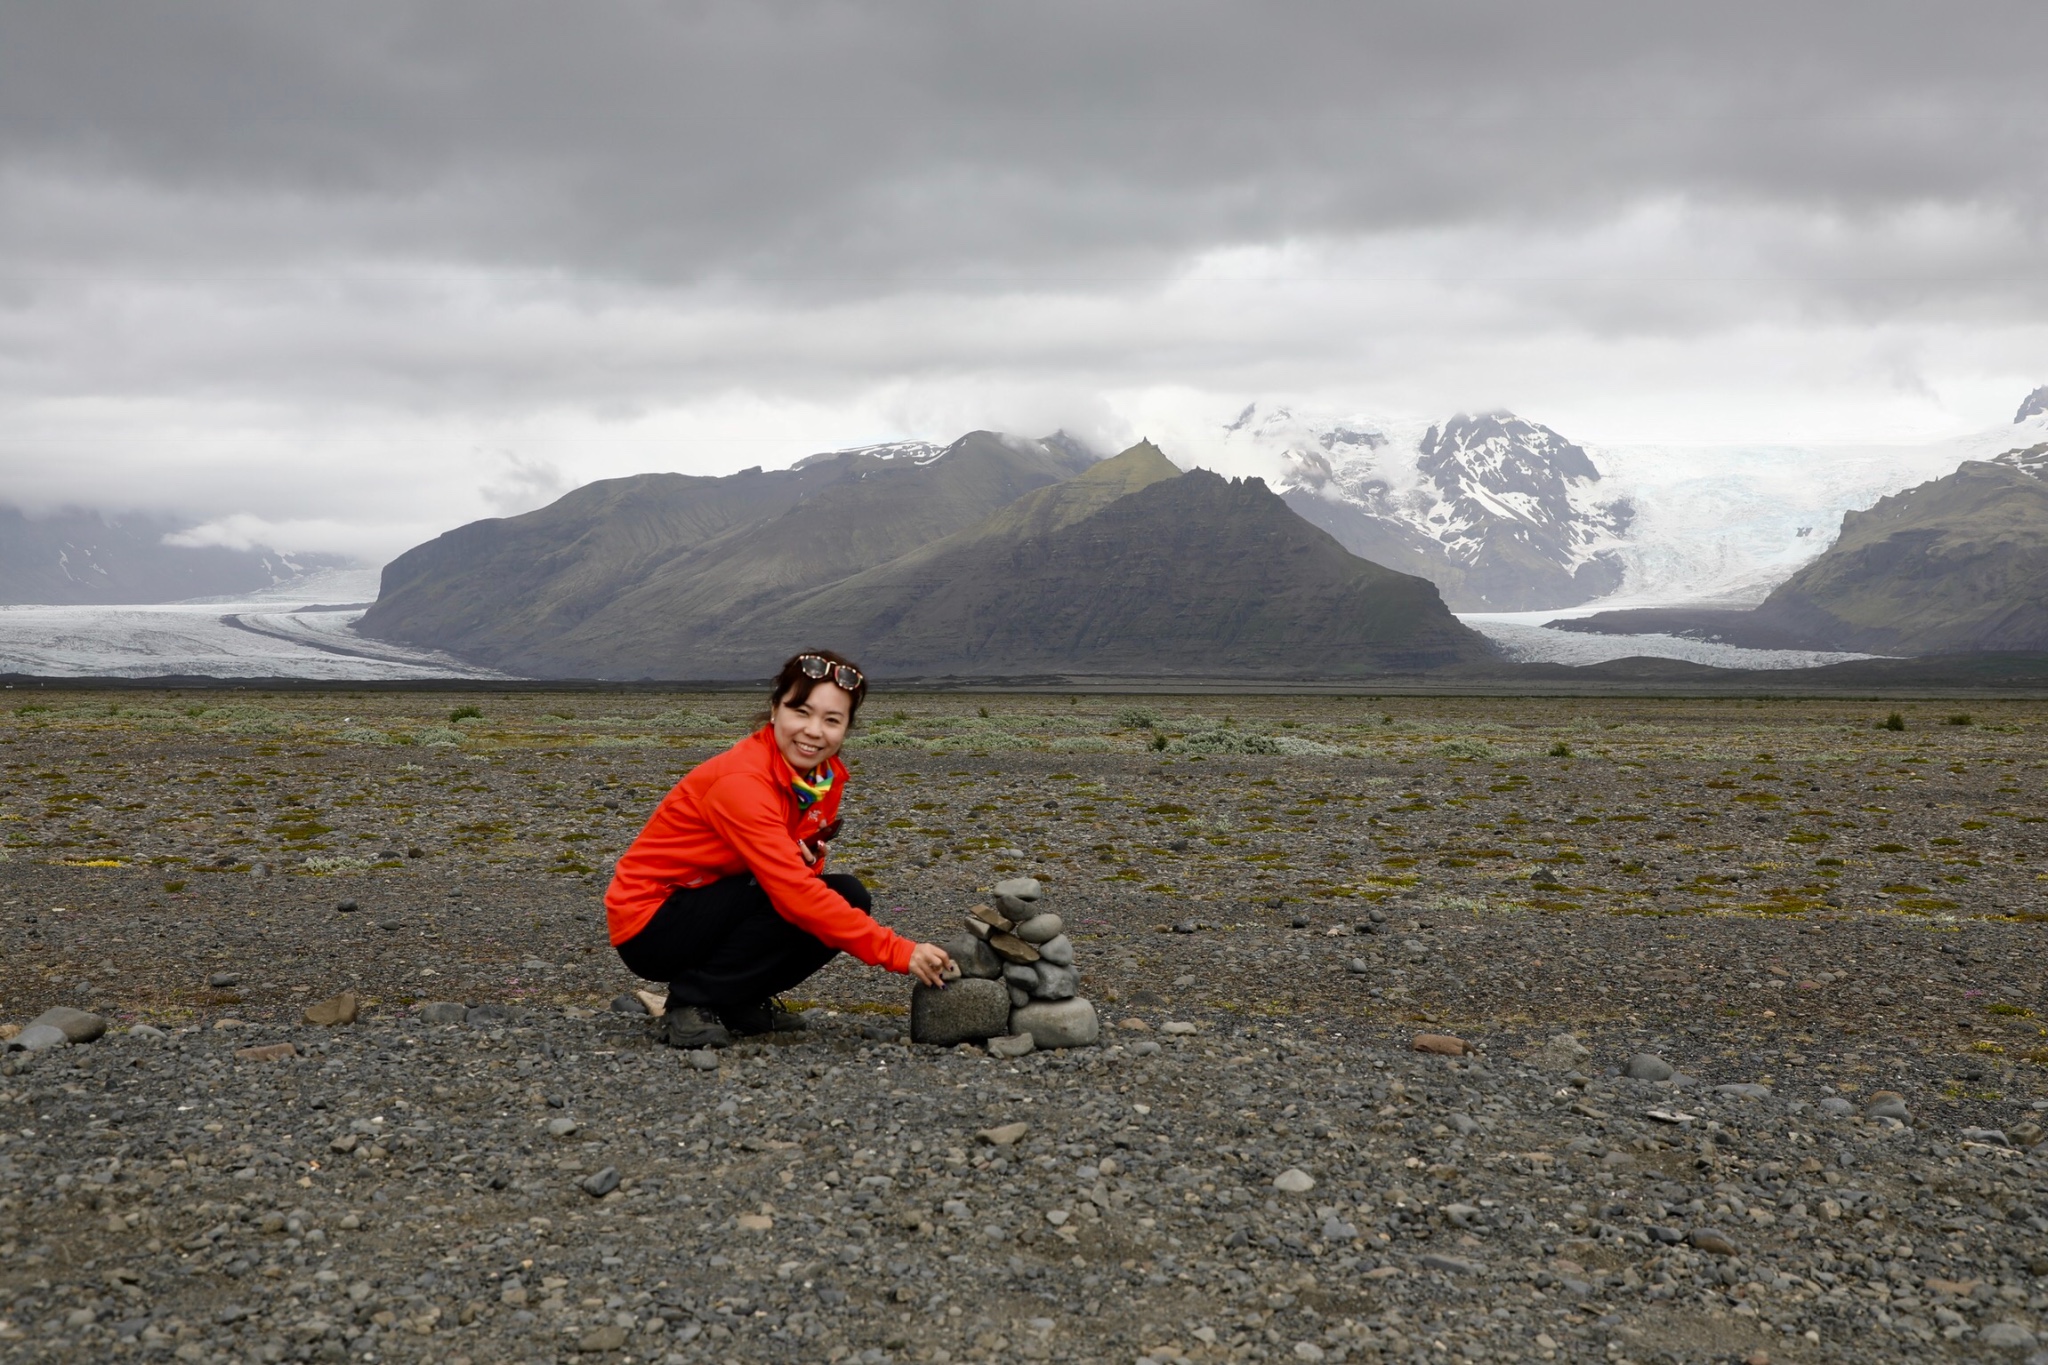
column 1272, row 899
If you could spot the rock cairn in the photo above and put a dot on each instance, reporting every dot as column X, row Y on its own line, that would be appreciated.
column 1017, row 987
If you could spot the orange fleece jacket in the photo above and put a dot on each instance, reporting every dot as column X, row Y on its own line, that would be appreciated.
column 733, row 814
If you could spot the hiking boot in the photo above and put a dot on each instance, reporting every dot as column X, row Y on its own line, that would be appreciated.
column 693, row 1027
column 766, row 1016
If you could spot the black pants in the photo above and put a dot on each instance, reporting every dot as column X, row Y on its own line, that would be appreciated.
column 723, row 944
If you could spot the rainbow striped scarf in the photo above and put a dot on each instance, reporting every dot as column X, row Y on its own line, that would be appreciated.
column 810, row 790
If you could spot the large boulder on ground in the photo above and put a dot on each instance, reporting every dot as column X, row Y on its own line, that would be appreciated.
column 1058, row 1023
column 963, row 1011
column 77, row 1026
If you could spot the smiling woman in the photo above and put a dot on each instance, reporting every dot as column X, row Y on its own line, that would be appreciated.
column 724, row 894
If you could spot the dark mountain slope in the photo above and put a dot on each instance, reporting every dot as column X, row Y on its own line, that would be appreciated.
column 81, row 558
column 1189, row 575
column 614, row 577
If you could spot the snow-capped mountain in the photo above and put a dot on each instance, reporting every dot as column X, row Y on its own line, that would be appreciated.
column 1502, row 514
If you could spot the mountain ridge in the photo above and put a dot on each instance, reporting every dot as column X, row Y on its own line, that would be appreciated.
column 1129, row 563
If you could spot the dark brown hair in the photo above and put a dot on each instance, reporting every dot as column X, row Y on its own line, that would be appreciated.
column 792, row 688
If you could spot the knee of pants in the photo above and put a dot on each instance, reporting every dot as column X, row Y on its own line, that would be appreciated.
column 851, row 890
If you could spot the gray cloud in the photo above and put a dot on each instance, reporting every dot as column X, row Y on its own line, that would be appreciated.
column 252, row 251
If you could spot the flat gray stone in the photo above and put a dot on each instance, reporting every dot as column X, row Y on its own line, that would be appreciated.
column 1562, row 1053
column 1011, row 1045
column 1019, row 974
column 1059, row 1023
column 628, row 1003
column 444, row 1012
column 1839, row 1107
column 1058, row 950
column 147, row 1033
column 1023, row 888
column 1648, row 1066
column 77, row 1026
column 967, row 1011
column 1040, row 928
column 222, row 980
column 1992, row 1135
column 704, row 1059
column 973, row 957
column 1013, row 908
column 601, row 1183
column 1055, row 982
column 1449, row 1265
column 1889, row 1107
column 37, row 1038
column 1019, row 997
column 1744, row 1091
column 2006, row 1336
column 483, row 1016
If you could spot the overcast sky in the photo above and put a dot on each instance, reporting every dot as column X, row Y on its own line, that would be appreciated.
column 340, row 276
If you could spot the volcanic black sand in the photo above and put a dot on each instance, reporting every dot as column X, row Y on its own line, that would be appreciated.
column 1271, row 899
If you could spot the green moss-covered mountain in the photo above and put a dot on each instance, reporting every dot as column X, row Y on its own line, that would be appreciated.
column 1954, row 565
column 1129, row 568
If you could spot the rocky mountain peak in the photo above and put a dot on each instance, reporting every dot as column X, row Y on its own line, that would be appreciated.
column 2036, row 405
column 1502, row 452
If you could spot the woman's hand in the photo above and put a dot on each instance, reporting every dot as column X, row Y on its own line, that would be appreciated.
column 928, row 963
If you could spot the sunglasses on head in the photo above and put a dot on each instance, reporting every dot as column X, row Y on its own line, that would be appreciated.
column 844, row 676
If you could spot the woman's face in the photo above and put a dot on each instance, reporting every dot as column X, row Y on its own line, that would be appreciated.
column 811, row 731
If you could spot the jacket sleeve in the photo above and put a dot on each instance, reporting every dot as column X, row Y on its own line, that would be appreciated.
column 747, row 813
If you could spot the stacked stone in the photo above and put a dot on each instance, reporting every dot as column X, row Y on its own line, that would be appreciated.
column 1017, row 986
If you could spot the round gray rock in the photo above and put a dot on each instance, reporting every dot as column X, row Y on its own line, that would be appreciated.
column 1023, row 888
column 443, row 1012
column 1058, row 1023
column 966, row 1011
column 1648, row 1066
column 1040, row 928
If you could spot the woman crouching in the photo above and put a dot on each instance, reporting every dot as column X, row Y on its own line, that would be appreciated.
column 724, row 894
